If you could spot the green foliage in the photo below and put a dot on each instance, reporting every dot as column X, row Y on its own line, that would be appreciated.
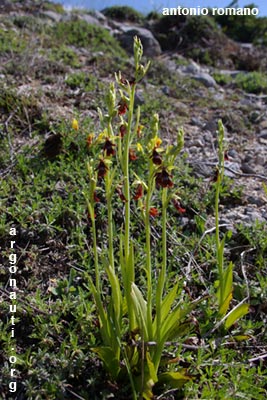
column 243, row 28
column 51, row 6
column 80, row 33
column 123, row 13
column 153, row 16
column 252, row 82
column 11, row 42
column 222, row 79
column 66, row 55
column 225, row 273
column 199, row 28
column 86, row 82
column 25, row 111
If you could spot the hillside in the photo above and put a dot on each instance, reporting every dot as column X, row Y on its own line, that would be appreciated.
column 56, row 67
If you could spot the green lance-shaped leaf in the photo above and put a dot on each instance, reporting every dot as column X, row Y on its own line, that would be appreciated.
column 227, row 289
column 175, row 379
column 146, row 380
column 140, row 308
column 104, row 325
column 167, row 305
column 236, row 314
column 116, row 297
column 110, row 360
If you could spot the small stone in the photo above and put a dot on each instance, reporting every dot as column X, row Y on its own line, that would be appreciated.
column 206, row 79
column 258, row 201
column 166, row 90
column 260, row 160
column 263, row 134
column 233, row 153
column 247, row 169
column 254, row 216
column 196, row 143
column 197, row 122
column 139, row 99
column 192, row 68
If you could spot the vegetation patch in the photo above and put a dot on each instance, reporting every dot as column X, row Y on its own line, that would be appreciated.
column 123, row 13
column 80, row 33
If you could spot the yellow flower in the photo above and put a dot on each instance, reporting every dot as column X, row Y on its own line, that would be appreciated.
column 102, row 136
column 139, row 147
column 75, row 124
column 158, row 141
column 89, row 139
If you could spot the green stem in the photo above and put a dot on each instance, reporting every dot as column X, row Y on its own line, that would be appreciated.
column 129, row 275
column 110, row 233
column 148, row 251
column 97, row 275
column 162, row 273
column 219, row 244
column 217, row 235
column 126, row 173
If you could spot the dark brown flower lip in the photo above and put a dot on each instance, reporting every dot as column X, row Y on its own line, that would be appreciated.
column 163, row 179
column 123, row 130
column 122, row 107
column 102, row 169
column 108, row 148
column 156, row 157
column 125, row 81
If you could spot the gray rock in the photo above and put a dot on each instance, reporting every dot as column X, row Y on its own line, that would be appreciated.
column 247, row 169
column 230, row 73
column 195, row 143
column 263, row 134
column 192, row 68
column 97, row 14
column 90, row 19
column 206, row 79
column 139, row 99
column 151, row 46
column 56, row 17
column 258, row 201
column 197, row 122
column 253, row 216
column 231, row 166
column 166, row 90
column 233, row 153
column 201, row 170
column 261, row 159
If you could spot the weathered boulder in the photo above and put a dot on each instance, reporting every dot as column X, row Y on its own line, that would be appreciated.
column 206, row 79
column 125, row 36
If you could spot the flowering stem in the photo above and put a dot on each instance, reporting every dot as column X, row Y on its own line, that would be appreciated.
column 126, row 173
column 97, row 277
column 148, row 250
column 219, row 243
column 110, row 220
column 162, row 273
column 129, row 275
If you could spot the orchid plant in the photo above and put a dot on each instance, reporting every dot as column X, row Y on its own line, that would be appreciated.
column 135, row 323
